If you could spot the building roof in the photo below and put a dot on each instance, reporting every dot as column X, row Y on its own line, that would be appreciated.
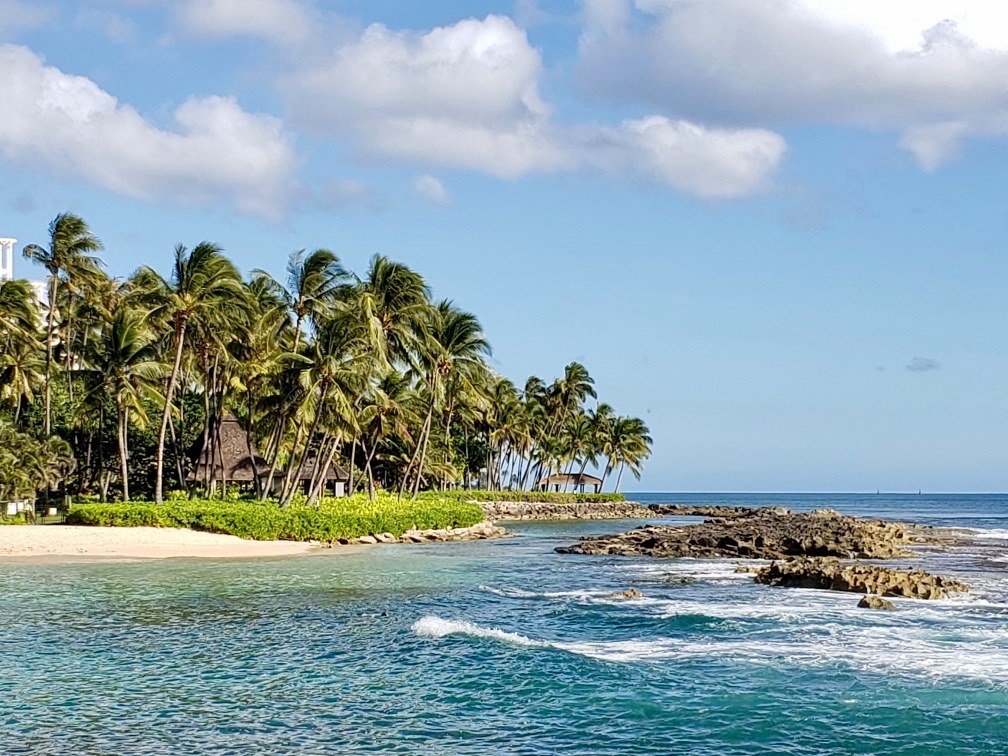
column 333, row 473
column 233, row 462
column 575, row 479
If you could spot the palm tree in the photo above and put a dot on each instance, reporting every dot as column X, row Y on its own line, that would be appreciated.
column 71, row 256
column 385, row 412
column 315, row 283
column 454, row 350
column 627, row 445
column 21, row 365
column 128, row 369
column 204, row 284
column 394, row 302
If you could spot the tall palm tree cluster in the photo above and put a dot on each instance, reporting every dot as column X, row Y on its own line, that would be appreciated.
column 324, row 367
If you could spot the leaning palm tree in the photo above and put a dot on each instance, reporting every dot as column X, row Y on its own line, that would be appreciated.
column 70, row 257
column 126, row 363
column 204, row 284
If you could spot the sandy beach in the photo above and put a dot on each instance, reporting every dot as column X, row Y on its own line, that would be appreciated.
column 68, row 541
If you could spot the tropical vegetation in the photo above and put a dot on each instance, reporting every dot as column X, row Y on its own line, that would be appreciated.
column 328, row 520
column 115, row 383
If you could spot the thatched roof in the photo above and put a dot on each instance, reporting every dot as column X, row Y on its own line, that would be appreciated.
column 232, row 462
column 574, row 479
column 332, row 473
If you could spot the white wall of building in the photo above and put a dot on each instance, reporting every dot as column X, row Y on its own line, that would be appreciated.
column 7, row 259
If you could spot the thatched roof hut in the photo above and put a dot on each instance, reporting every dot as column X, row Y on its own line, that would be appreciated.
column 561, row 481
column 332, row 474
column 232, row 461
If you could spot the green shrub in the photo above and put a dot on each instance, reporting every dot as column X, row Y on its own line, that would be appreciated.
column 538, row 497
column 21, row 518
column 331, row 520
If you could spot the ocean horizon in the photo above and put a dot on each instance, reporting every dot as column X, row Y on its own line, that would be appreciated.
column 508, row 647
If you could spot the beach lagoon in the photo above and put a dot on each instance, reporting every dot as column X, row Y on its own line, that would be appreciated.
column 506, row 647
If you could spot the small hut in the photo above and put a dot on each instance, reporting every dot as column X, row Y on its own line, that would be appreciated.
column 229, row 458
column 577, row 482
column 335, row 477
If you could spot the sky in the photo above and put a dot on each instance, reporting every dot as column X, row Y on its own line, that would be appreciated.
column 774, row 230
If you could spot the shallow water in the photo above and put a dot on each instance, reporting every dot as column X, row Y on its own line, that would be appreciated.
column 505, row 647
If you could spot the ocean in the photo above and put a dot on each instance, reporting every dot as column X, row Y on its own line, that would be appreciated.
column 507, row 647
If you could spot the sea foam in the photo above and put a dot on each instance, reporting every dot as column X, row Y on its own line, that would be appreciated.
column 975, row 655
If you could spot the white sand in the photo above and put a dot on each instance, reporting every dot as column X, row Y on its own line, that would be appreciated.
column 133, row 543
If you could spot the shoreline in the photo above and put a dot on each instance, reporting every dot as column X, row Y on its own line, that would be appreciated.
column 77, row 542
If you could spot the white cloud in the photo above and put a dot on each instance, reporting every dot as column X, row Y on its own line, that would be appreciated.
column 709, row 163
column 467, row 96
column 931, row 70
column 431, row 189
column 284, row 22
column 71, row 127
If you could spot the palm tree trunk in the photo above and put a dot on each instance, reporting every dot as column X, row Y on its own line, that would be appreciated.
column 416, row 452
column 178, row 454
column 162, row 432
column 311, row 434
column 353, row 455
column 619, row 478
column 425, row 437
column 47, row 425
column 123, row 453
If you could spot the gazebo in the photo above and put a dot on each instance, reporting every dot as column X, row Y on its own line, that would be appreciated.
column 335, row 477
column 233, row 460
column 578, row 482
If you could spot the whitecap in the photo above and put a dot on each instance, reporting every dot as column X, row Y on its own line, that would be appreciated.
column 974, row 654
column 435, row 627
column 990, row 534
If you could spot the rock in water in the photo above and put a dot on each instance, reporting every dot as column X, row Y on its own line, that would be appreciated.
column 875, row 602
column 629, row 593
column 834, row 575
column 762, row 534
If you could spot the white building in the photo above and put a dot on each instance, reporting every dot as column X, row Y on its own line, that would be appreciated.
column 7, row 259
column 40, row 288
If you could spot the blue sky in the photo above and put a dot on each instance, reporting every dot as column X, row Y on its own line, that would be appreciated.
column 773, row 229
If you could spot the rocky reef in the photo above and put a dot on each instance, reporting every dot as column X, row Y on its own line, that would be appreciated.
column 527, row 510
column 805, row 549
column 769, row 533
column 834, row 575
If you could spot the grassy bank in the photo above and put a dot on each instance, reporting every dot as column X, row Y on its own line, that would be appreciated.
column 332, row 520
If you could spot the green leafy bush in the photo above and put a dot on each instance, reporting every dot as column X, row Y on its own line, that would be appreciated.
column 331, row 520
column 538, row 497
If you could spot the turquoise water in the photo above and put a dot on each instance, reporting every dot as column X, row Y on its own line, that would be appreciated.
column 505, row 647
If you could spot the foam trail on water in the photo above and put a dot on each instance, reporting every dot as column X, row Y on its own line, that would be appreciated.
column 978, row 655
column 436, row 627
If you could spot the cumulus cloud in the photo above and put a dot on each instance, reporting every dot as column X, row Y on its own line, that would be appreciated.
column 468, row 96
column 923, row 365
column 931, row 70
column 463, row 95
column 431, row 189
column 71, row 127
column 283, row 22
column 710, row 163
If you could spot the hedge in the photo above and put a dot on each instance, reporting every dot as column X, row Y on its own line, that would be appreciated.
column 331, row 520
column 539, row 497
